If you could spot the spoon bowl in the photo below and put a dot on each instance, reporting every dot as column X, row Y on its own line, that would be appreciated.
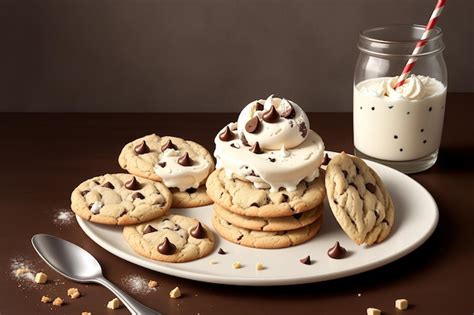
column 66, row 258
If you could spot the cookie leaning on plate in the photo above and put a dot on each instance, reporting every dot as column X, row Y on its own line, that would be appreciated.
column 243, row 198
column 260, row 239
column 121, row 199
column 182, row 165
column 173, row 238
column 359, row 200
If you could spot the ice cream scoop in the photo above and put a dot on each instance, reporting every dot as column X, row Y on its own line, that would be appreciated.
column 273, row 123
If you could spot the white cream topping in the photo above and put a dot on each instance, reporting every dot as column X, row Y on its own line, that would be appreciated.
column 416, row 87
column 174, row 175
column 274, row 169
column 289, row 132
column 95, row 208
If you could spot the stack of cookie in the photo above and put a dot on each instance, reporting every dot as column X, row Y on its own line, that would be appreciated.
column 268, row 188
column 164, row 172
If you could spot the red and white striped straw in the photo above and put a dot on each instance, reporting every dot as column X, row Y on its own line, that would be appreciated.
column 422, row 42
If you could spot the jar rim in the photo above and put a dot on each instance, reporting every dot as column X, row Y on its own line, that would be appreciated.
column 363, row 33
column 436, row 35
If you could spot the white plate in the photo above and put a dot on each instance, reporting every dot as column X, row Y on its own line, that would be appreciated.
column 415, row 220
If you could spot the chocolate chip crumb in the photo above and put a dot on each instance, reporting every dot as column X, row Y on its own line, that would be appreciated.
column 395, row 137
column 221, row 251
column 337, row 251
column 306, row 260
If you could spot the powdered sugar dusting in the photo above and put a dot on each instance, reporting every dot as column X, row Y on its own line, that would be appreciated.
column 22, row 270
column 63, row 217
column 137, row 284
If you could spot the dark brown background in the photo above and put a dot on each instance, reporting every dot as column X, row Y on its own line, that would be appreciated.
column 44, row 156
column 201, row 55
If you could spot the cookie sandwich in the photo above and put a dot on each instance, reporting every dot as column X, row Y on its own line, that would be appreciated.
column 268, row 187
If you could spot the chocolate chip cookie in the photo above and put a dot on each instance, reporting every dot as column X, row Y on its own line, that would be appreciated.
column 359, row 200
column 243, row 198
column 120, row 199
column 172, row 238
column 260, row 239
column 293, row 222
column 181, row 165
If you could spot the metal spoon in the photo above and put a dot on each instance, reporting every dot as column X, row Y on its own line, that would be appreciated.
column 76, row 264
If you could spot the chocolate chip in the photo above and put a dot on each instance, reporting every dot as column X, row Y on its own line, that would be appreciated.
column 235, row 145
column 259, row 106
column 345, row 173
column 284, row 197
column 185, row 160
column 138, row 195
column 162, row 164
column 96, row 182
column 221, row 251
column 271, row 116
column 254, row 204
column 430, row 109
column 256, row 148
column 395, row 137
column 108, row 185
column 168, row 145
column 240, row 237
column 166, row 248
column 370, row 187
column 227, row 135
column 353, row 185
column 373, row 108
column 191, row 190
column 83, row 193
column 149, row 229
column 252, row 126
column 326, row 159
column 337, row 251
column 297, row 216
column 289, row 112
column 272, row 160
column 244, row 140
column 303, row 129
column 142, row 148
column 306, row 260
column 133, row 184
column 198, row 231
column 424, row 141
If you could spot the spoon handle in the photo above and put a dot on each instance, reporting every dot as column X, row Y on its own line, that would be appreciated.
column 135, row 307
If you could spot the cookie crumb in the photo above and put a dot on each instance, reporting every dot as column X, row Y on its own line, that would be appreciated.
column 152, row 284
column 58, row 301
column 236, row 265
column 259, row 266
column 41, row 277
column 86, row 313
column 213, row 262
column 373, row 311
column 45, row 299
column 113, row 304
column 401, row 304
column 175, row 293
column 73, row 293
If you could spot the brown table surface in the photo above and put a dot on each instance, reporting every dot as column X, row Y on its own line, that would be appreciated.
column 45, row 156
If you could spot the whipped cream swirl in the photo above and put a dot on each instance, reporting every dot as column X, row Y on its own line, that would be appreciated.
column 288, row 126
column 414, row 88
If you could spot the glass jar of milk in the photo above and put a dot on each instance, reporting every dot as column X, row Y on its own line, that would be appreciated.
column 399, row 127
